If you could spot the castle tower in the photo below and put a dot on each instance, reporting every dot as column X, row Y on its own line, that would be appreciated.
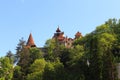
column 30, row 42
column 59, row 35
column 58, row 30
column 78, row 35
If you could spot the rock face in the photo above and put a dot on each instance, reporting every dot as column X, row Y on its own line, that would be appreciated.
column 118, row 70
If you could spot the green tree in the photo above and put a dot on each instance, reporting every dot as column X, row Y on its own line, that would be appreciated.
column 54, row 71
column 49, row 72
column 101, row 59
column 38, row 65
column 6, row 69
column 95, row 60
column 17, row 73
column 11, row 56
column 24, row 62
column 50, row 45
column 53, row 50
column 19, row 48
column 35, row 76
column 114, row 24
column 107, row 41
column 35, row 53
column 37, row 69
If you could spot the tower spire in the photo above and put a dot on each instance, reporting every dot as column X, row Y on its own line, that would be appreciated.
column 58, row 29
column 30, row 42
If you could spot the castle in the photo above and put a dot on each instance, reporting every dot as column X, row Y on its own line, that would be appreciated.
column 61, row 39
column 59, row 36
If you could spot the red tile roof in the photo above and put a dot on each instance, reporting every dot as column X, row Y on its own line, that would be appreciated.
column 78, row 34
column 30, row 41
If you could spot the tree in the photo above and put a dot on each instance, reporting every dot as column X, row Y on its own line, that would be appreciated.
column 20, row 46
column 114, row 24
column 17, row 73
column 37, row 69
column 24, row 62
column 54, row 71
column 102, row 59
column 35, row 76
column 95, row 60
column 38, row 65
column 107, row 41
column 53, row 50
column 50, row 45
column 92, row 57
column 11, row 56
column 35, row 53
column 49, row 72
column 24, row 58
column 6, row 69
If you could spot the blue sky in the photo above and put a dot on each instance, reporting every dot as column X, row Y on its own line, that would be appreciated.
column 41, row 17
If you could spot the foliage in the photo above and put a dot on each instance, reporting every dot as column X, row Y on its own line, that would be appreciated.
column 17, row 73
column 54, row 71
column 35, row 53
column 6, row 69
column 37, row 69
column 92, row 57
column 50, row 46
column 11, row 56
column 35, row 76
column 38, row 65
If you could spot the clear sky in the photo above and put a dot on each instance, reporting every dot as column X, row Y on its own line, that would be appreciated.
column 41, row 17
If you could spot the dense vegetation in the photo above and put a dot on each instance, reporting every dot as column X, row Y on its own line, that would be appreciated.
column 92, row 57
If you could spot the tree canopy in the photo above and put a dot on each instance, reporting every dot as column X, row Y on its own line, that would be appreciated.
column 91, row 57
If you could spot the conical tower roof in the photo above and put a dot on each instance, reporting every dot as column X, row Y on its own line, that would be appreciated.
column 30, row 42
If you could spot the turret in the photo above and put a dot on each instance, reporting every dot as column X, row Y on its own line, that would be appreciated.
column 78, row 35
column 30, row 42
